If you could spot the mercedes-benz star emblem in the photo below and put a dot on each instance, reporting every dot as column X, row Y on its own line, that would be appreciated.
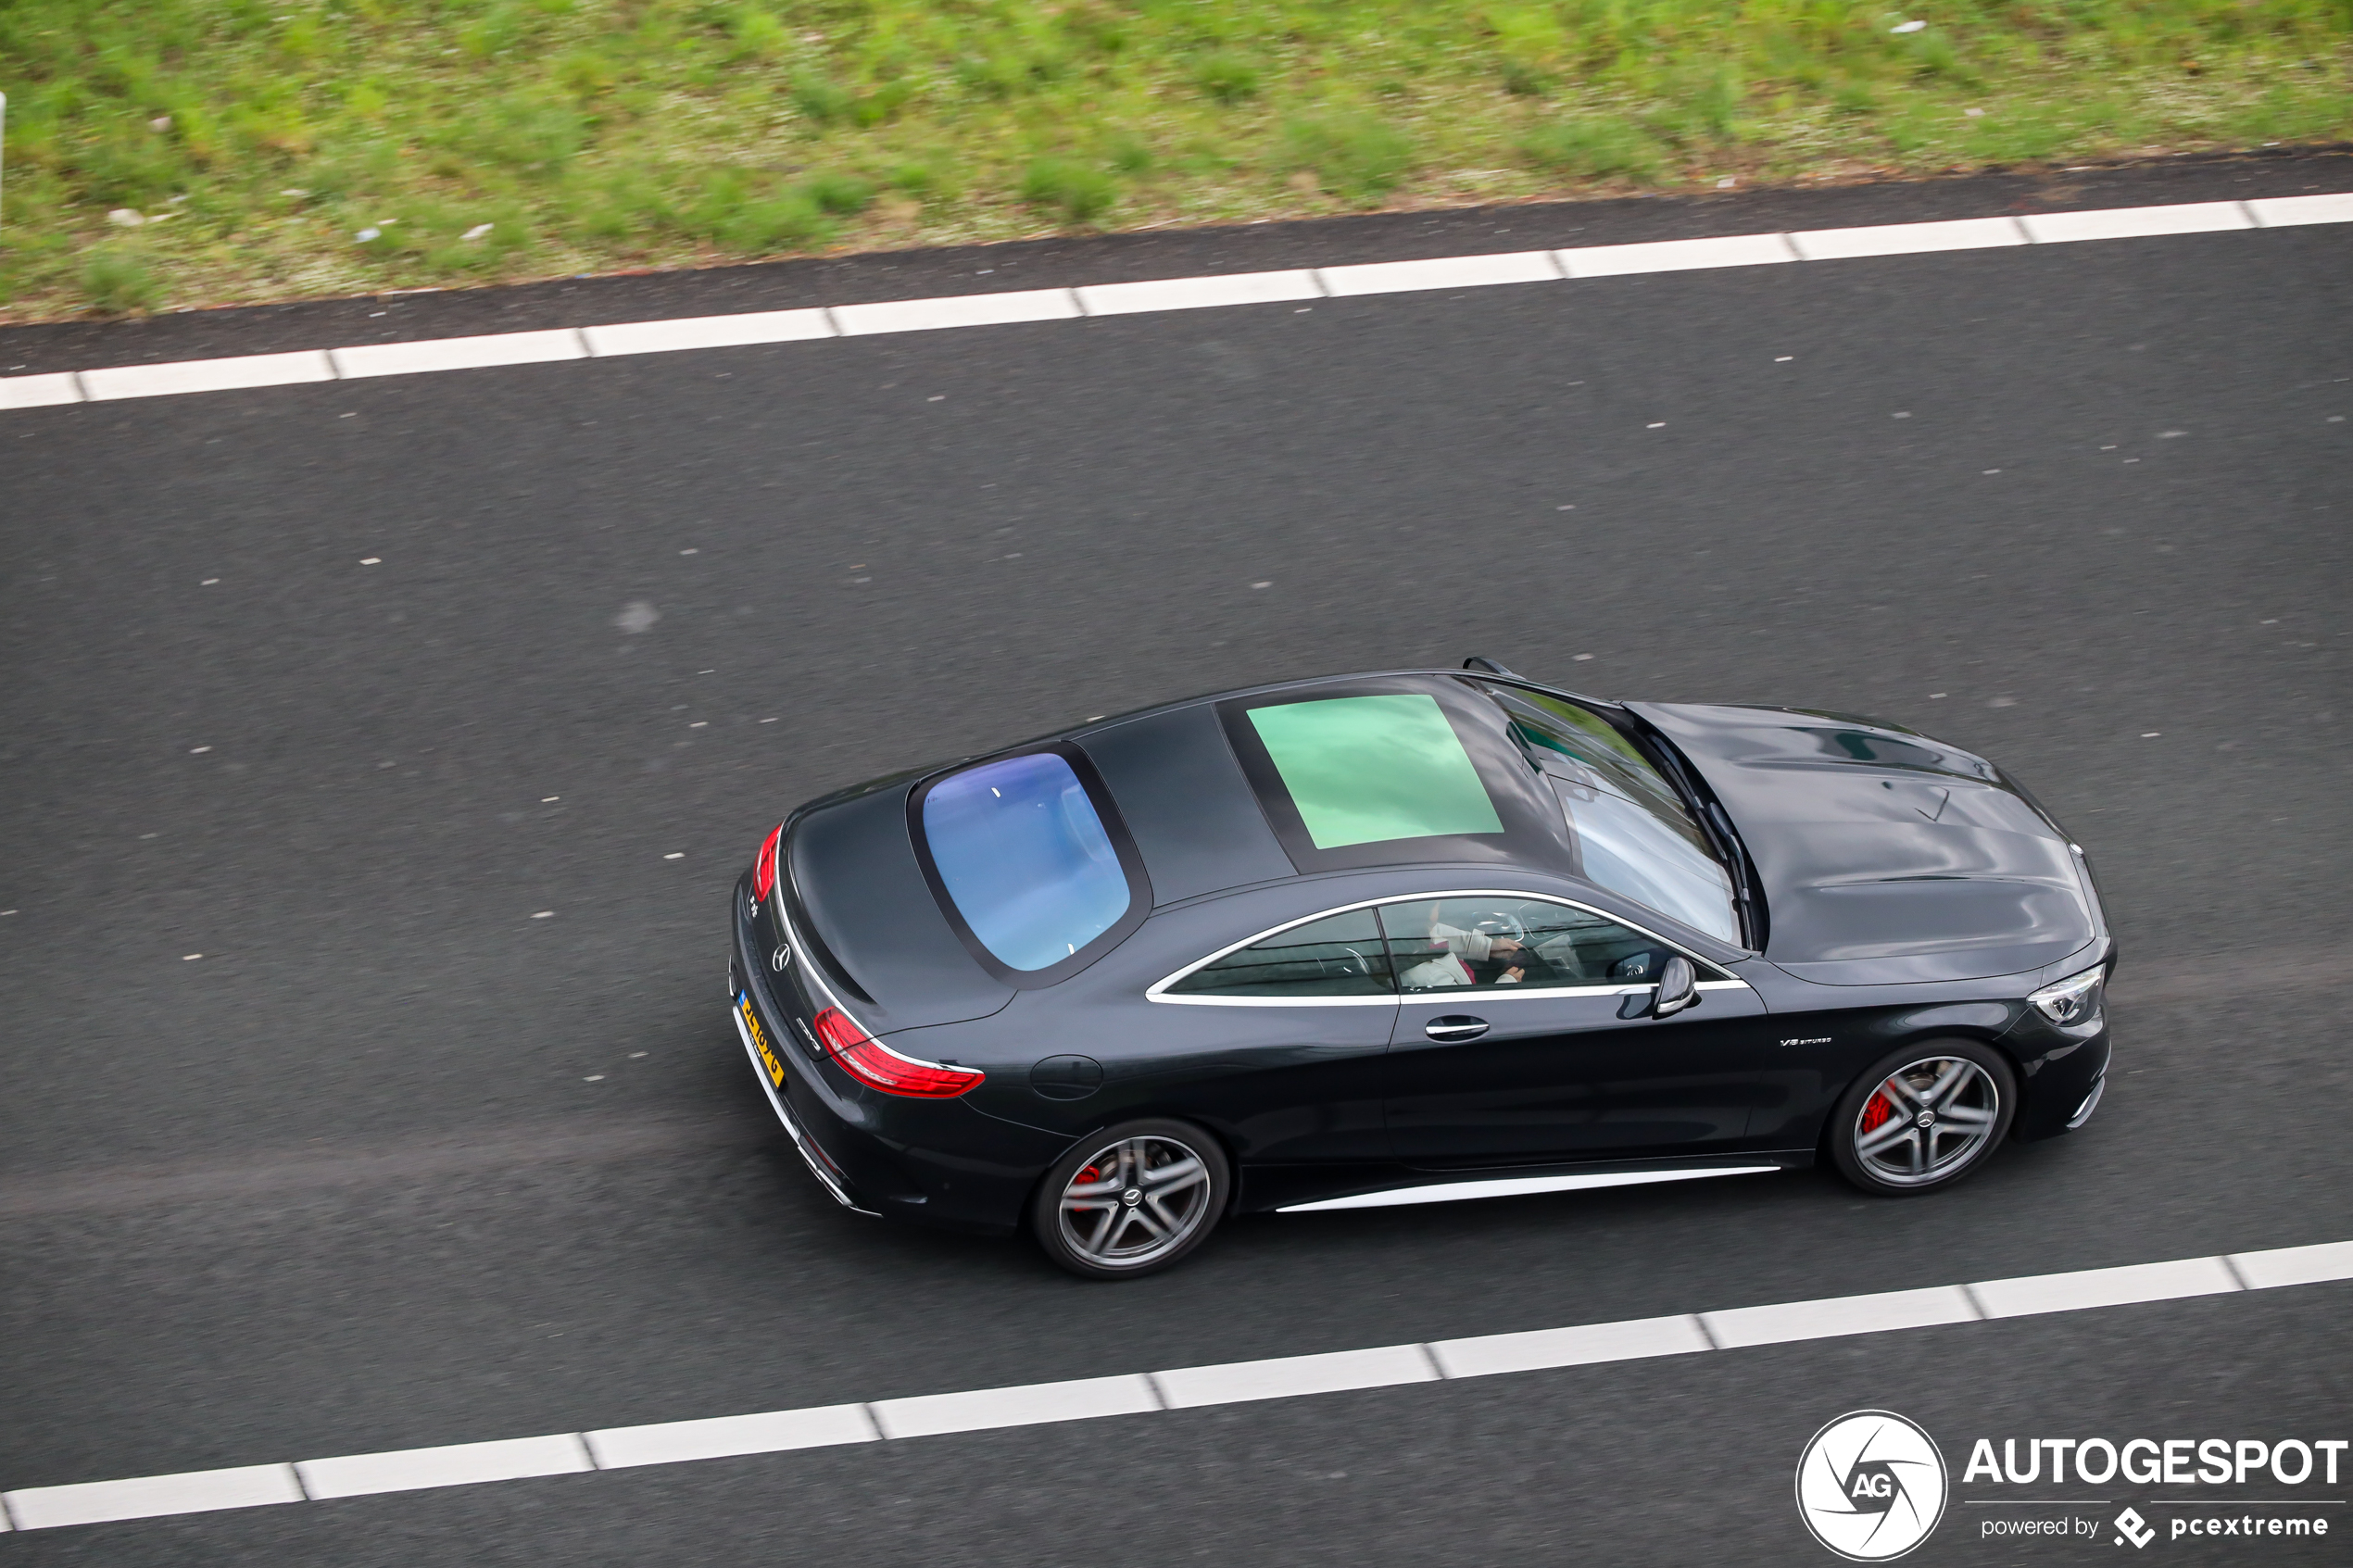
column 781, row 956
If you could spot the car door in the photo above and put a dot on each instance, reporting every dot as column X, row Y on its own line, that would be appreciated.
column 1282, row 1042
column 1512, row 1045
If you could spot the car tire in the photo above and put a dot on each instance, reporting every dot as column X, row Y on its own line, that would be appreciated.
column 1132, row 1199
column 1922, row 1118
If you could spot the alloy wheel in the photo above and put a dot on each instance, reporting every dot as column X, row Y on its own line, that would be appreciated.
column 1927, row 1121
column 1135, row 1201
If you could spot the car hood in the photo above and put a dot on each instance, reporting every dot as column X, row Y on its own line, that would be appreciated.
column 1885, row 855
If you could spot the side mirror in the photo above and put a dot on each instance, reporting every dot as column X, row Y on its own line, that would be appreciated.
column 1678, row 988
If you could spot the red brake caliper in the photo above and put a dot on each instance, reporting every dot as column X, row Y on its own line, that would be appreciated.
column 1878, row 1113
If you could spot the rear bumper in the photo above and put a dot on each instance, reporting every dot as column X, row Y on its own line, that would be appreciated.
column 937, row 1163
column 821, row 1165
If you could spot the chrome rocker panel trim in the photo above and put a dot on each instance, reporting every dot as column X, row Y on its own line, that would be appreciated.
column 1515, row 1187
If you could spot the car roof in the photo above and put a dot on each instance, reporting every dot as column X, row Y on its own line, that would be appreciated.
column 1206, row 814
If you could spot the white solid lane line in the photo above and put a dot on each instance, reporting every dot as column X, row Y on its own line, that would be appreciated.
column 1539, row 1349
column 2104, row 1288
column 1166, row 294
column 929, row 1414
column 1196, row 293
column 2280, row 213
column 1744, row 1326
column 2135, row 222
column 98, row 1502
column 458, row 353
column 1288, row 1377
column 41, row 391
column 208, row 375
column 708, row 332
column 671, row 1442
column 2295, row 1265
column 956, row 310
column 1907, row 239
column 1675, row 256
column 459, row 1465
column 1442, row 272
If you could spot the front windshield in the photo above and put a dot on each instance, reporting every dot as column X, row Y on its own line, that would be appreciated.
column 1628, row 829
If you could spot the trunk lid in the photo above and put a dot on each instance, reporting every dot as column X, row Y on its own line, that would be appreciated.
column 857, row 890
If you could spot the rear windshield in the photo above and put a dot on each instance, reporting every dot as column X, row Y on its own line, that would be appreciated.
column 1025, row 858
column 1364, row 769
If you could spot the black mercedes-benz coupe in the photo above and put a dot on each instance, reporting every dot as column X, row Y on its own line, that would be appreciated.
column 1412, row 937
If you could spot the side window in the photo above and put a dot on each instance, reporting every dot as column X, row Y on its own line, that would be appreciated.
column 1436, row 944
column 1339, row 956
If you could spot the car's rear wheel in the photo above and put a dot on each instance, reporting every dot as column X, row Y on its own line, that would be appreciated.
column 1131, row 1199
column 1923, row 1117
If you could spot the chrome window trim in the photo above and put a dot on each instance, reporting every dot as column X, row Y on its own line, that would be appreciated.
column 1156, row 992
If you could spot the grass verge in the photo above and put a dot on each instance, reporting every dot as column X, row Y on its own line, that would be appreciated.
column 178, row 152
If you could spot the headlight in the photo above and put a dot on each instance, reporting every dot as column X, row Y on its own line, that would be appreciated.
column 2075, row 999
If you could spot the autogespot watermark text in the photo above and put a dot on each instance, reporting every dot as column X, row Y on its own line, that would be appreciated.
column 2184, row 1463
column 2148, row 1461
column 1871, row 1486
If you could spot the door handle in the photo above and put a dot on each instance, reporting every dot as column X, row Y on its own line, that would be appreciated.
column 1453, row 1027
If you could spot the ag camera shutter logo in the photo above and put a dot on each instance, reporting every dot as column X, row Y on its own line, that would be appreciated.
column 1871, row 1486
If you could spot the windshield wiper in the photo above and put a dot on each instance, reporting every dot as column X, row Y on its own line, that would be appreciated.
column 1735, row 853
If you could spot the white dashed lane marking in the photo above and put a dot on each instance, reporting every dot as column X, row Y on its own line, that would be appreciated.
column 982, row 1410
column 1158, row 295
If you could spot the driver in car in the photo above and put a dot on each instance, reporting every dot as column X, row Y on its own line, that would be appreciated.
column 1483, row 954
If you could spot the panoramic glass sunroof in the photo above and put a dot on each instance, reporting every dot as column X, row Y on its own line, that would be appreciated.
column 1364, row 770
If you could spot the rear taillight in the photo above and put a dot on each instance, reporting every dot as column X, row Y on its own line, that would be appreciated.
column 763, row 865
column 878, row 1067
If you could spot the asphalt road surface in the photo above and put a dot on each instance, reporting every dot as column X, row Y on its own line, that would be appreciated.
column 439, row 713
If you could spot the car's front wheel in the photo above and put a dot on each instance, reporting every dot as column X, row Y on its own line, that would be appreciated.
column 1131, row 1199
column 1923, row 1117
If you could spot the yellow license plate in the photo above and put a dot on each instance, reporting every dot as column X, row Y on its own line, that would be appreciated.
column 768, row 1057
